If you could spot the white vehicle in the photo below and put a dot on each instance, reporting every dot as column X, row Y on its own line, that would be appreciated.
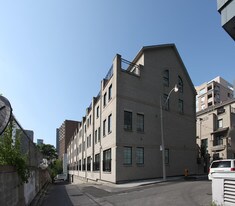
column 225, row 165
column 61, row 177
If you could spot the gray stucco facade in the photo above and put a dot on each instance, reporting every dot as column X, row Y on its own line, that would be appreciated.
column 120, row 137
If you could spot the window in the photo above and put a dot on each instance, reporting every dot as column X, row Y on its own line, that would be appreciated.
column 97, row 112
column 220, row 123
column 166, row 78
column 110, row 123
column 110, row 91
column 139, row 155
column 218, row 140
column 95, row 136
column 84, row 165
column 104, row 127
column 105, row 96
column 202, row 91
column 203, row 99
column 181, row 106
column 180, row 84
column 97, row 162
column 79, row 165
column 220, row 110
column 127, row 155
column 127, row 120
column 98, row 134
column 90, row 119
column 140, row 122
column 88, row 163
column 107, row 160
column 167, row 155
column 89, row 141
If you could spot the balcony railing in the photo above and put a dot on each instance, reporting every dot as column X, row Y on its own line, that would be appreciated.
column 218, row 148
column 130, row 67
column 109, row 74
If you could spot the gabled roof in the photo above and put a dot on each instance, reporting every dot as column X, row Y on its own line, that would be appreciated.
column 155, row 47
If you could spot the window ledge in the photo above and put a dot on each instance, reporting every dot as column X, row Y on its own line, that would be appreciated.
column 107, row 172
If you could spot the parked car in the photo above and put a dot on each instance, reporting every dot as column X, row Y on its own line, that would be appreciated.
column 61, row 177
column 225, row 165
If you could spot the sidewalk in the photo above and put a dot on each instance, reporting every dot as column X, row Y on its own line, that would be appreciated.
column 111, row 187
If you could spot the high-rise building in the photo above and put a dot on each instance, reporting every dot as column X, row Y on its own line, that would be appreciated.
column 227, row 10
column 39, row 141
column 122, row 134
column 212, row 93
column 66, row 131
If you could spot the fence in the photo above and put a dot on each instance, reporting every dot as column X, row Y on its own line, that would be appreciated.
column 11, row 191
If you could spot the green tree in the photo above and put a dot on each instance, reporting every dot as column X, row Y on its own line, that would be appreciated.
column 55, row 168
column 49, row 152
column 10, row 153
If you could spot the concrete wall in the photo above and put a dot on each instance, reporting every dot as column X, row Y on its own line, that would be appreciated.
column 13, row 193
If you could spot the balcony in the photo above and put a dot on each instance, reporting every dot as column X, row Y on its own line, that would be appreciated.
column 130, row 67
column 218, row 148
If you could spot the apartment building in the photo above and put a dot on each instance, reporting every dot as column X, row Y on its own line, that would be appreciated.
column 213, row 92
column 119, row 138
column 227, row 10
column 215, row 136
column 64, row 134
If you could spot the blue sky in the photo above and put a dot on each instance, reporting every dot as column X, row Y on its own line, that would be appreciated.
column 54, row 54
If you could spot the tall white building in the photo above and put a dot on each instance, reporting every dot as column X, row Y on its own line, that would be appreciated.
column 212, row 93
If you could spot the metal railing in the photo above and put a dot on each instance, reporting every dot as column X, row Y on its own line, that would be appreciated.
column 109, row 74
column 130, row 67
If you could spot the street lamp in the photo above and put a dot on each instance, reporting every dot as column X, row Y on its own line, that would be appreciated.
column 175, row 89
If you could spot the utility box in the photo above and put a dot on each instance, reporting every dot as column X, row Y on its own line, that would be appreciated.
column 223, row 188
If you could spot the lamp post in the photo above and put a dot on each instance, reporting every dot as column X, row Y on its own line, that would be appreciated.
column 175, row 89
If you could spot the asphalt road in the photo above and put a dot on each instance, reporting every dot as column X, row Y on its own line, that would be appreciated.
column 180, row 192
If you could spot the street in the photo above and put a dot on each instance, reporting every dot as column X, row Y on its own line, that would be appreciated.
column 176, row 192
